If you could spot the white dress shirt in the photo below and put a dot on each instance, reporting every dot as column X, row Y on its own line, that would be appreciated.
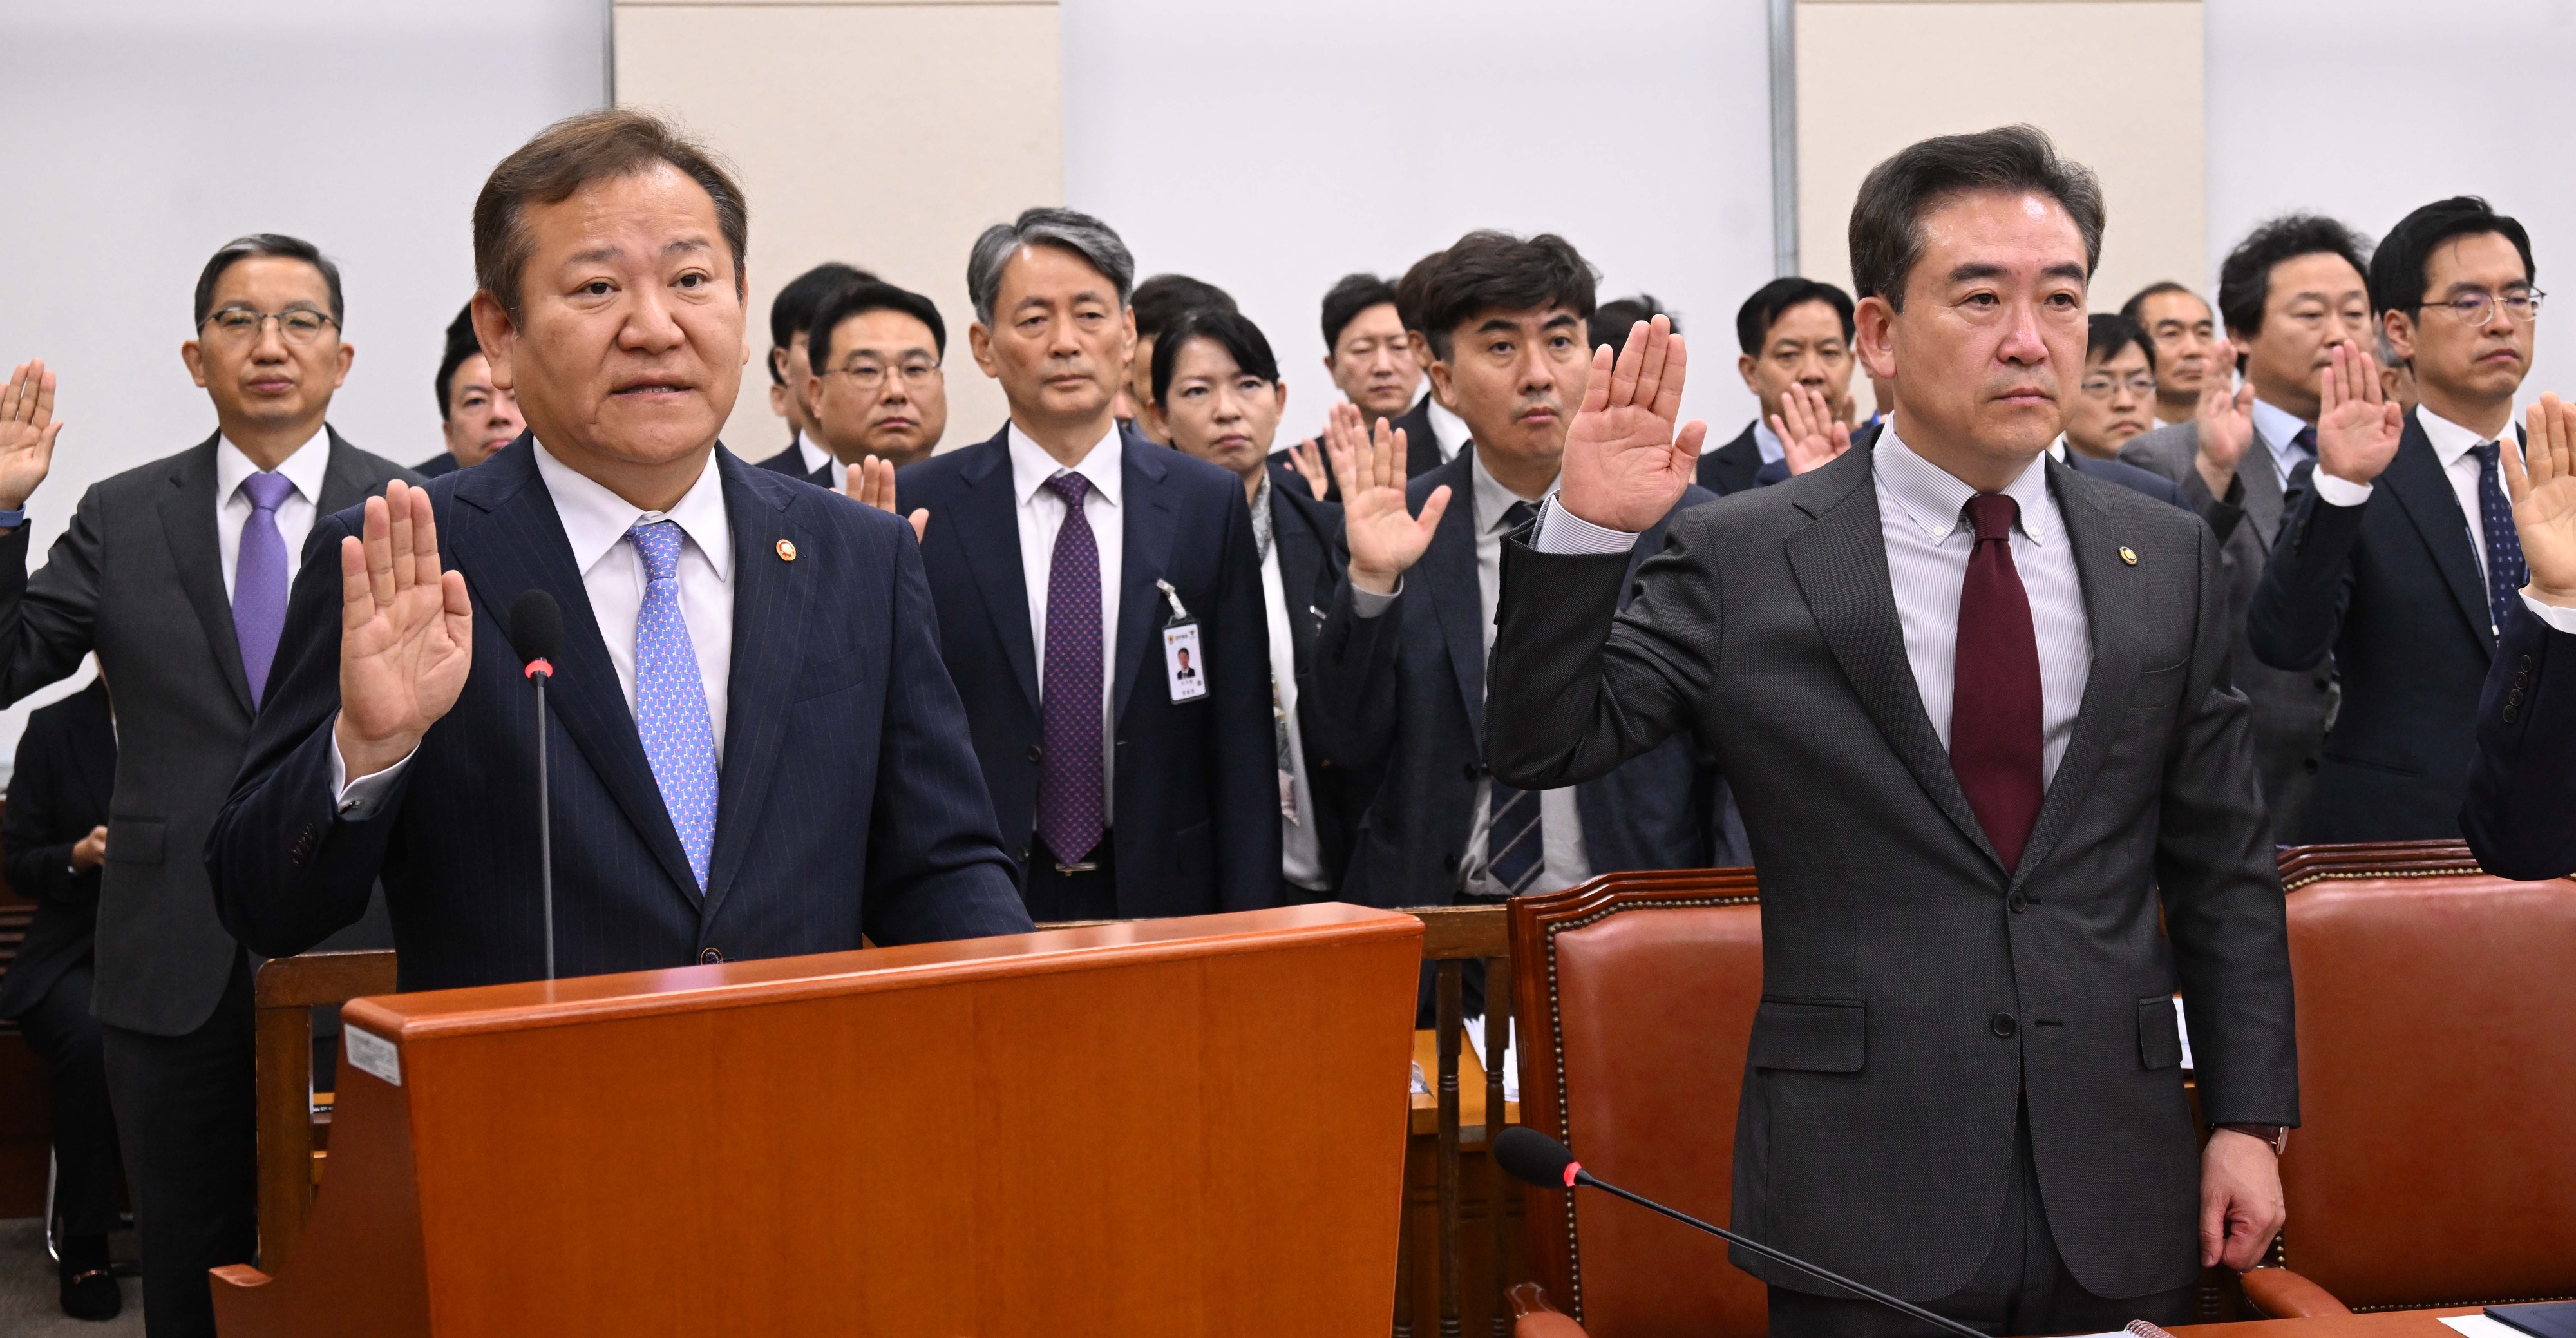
column 595, row 522
column 815, row 457
column 304, row 467
column 1301, row 855
column 2277, row 429
column 1922, row 521
column 1448, row 430
column 1041, row 514
column 1768, row 442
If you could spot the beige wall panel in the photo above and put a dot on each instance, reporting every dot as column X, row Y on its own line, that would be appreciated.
column 886, row 135
column 2117, row 83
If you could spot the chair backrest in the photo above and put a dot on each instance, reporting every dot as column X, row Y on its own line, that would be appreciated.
column 1635, row 996
column 284, row 995
column 2437, row 1078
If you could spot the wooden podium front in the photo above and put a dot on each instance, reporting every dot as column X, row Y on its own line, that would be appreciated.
column 1187, row 1126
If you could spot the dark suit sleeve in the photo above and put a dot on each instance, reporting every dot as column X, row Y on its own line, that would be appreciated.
column 1243, row 753
column 1576, row 685
column 39, row 860
column 288, row 870
column 1353, row 720
column 936, row 870
column 46, row 618
column 2300, row 603
column 2221, row 886
column 2520, row 812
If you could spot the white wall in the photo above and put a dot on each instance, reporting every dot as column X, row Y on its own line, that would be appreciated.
column 2364, row 109
column 1270, row 152
column 148, row 132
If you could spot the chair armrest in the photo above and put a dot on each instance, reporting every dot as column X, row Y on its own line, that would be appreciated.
column 1534, row 1317
column 2278, row 1293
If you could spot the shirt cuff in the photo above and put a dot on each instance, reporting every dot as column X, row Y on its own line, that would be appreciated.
column 1561, row 531
column 2338, row 492
column 2563, row 620
column 1369, row 603
column 357, row 800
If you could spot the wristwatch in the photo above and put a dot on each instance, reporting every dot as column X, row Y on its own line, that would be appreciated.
column 2276, row 1135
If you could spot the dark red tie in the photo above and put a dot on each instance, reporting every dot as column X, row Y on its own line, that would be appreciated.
column 1995, row 726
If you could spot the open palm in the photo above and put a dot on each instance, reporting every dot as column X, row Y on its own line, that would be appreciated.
column 1384, row 535
column 2543, row 482
column 1810, row 435
column 406, row 632
column 27, row 432
column 2358, row 426
column 1625, row 465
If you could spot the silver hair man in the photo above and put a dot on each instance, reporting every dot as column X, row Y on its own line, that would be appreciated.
column 1067, row 229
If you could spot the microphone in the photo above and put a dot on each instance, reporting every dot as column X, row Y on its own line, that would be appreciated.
column 1533, row 1158
column 536, row 633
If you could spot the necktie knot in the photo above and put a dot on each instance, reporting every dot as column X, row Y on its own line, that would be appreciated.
column 1071, row 487
column 2488, row 454
column 1519, row 516
column 2305, row 441
column 658, row 543
column 1993, row 514
column 267, row 491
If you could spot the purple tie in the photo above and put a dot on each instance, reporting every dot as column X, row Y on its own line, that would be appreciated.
column 259, row 579
column 1071, row 804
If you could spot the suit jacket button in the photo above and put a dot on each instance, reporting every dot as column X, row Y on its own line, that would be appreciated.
column 2017, row 902
column 2003, row 1025
column 1036, row 753
column 2508, row 715
column 709, row 957
column 2513, row 698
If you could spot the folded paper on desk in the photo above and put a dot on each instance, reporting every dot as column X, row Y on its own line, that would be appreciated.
column 2479, row 1326
column 2552, row 1319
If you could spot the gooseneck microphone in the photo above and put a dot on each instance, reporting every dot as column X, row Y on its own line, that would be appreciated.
column 1534, row 1158
column 536, row 633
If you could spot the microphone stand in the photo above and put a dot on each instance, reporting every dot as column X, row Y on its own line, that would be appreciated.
column 538, row 672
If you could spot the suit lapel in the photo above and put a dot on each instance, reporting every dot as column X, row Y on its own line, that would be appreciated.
column 768, row 594
column 1448, row 570
column 1840, row 562
column 345, row 481
column 2424, row 493
column 988, row 533
column 508, row 539
column 1300, row 554
column 188, row 509
column 2107, row 586
column 1145, row 514
column 2261, row 475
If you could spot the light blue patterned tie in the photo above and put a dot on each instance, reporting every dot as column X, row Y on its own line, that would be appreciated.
column 671, row 699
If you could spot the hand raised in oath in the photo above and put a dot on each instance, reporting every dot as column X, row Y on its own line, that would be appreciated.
column 2542, row 478
column 872, row 484
column 2358, row 426
column 1810, row 435
column 1385, row 537
column 27, row 432
column 406, row 632
column 2224, row 419
column 1625, row 464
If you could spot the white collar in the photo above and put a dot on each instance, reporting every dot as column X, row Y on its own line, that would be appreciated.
column 1768, row 442
column 815, row 457
column 2450, row 440
column 2279, row 428
column 1493, row 500
column 2057, row 449
column 1934, row 498
column 304, row 467
column 1031, row 466
column 595, row 520
column 1448, row 430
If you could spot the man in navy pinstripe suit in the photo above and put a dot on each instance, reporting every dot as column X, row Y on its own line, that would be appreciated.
column 756, row 751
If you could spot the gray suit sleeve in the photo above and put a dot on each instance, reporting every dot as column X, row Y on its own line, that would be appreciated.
column 47, row 618
column 2221, row 886
column 1576, row 685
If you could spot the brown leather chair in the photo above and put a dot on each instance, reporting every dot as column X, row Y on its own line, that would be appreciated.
column 1634, row 996
column 2437, row 1079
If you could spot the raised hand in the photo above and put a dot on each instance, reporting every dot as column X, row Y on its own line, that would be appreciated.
column 872, row 484
column 2358, row 426
column 2224, row 419
column 406, row 632
column 1810, row 433
column 27, row 432
column 2542, row 479
column 1308, row 457
column 1385, row 538
column 1624, row 463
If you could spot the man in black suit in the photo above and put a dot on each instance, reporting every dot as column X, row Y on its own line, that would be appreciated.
column 2520, row 816
column 1794, row 332
column 2291, row 293
column 1975, row 706
column 1217, row 395
column 754, row 752
column 1068, row 558
column 1370, row 359
column 2111, row 406
column 791, row 368
column 1402, row 686
column 880, row 388
column 476, row 416
column 2402, row 558
column 54, row 840
column 175, row 574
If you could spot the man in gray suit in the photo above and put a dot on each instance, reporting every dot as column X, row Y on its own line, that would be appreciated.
column 2291, row 293
column 176, row 574
column 1975, row 710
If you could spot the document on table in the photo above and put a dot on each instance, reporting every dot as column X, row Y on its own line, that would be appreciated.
column 2479, row 1326
column 1511, row 1057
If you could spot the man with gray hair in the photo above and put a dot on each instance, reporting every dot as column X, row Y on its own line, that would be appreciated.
column 1072, row 562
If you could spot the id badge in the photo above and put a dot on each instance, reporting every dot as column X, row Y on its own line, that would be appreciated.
column 1183, row 666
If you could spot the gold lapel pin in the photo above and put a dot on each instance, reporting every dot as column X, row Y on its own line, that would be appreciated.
column 787, row 551
column 2127, row 554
